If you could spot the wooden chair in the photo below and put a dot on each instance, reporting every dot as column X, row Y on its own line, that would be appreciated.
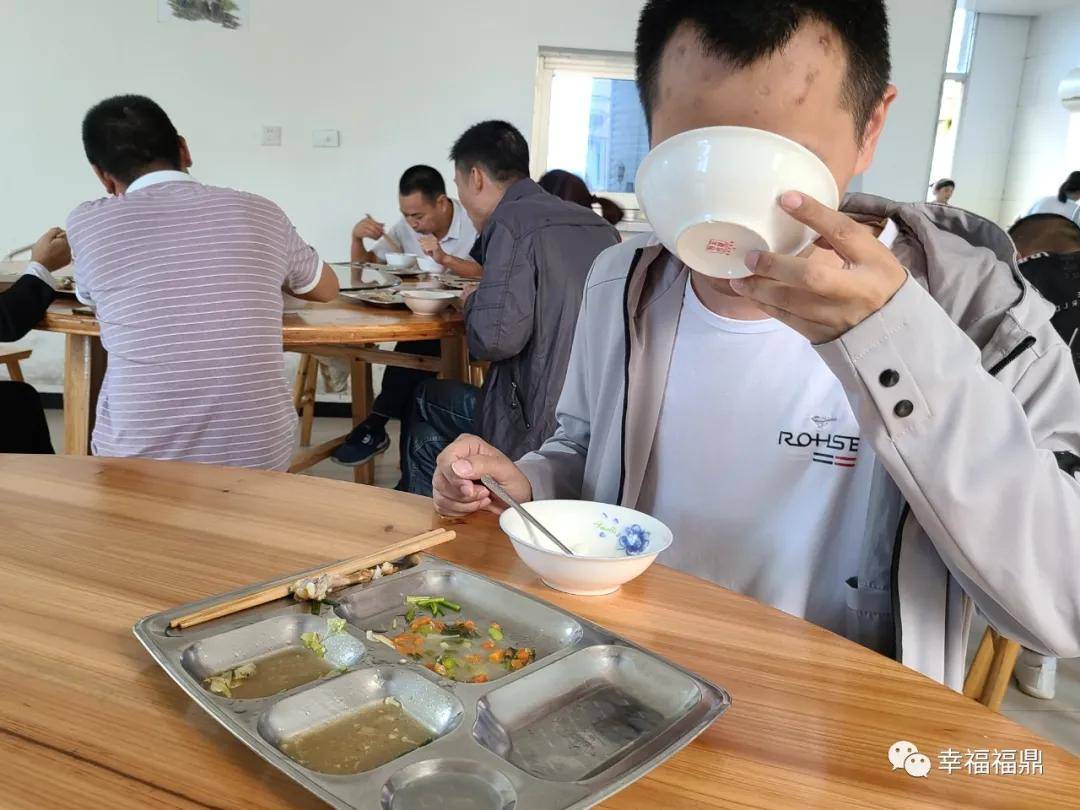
column 12, row 360
column 477, row 370
column 307, row 378
column 991, row 670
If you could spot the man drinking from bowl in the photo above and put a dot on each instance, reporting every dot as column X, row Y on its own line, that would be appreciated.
column 877, row 434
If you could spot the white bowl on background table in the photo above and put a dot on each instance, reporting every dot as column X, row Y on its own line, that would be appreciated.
column 428, row 264
column 428, row 302
column 611, row 544
column 401, row 260
column 712, row 195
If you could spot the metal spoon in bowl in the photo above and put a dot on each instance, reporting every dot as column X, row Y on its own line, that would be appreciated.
column 508, row 499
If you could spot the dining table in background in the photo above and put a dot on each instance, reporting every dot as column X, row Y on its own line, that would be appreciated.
column 341, row 328
column 87, row 718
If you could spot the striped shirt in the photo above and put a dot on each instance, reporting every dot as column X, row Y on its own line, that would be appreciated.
column 187, row 281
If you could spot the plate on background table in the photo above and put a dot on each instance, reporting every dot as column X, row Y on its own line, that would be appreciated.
column 355, row 276
column 376, row 298
column 453, row 282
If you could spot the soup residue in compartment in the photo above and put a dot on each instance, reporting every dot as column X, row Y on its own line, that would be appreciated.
column 600, row 710
column 360, row 740
column 274, row 673
column 458, row 648
column 318, row 655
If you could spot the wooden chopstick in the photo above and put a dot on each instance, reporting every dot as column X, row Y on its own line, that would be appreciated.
column 280, row 589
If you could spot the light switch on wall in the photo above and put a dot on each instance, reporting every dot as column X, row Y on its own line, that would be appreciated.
column 326, row 138
column 271, row 136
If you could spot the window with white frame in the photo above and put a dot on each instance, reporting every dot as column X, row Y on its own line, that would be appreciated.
column 957, row 68
column 588, row 120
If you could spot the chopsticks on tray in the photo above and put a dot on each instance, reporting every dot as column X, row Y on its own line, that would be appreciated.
column 343, row 568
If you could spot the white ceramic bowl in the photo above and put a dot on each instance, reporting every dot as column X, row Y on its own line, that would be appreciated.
column 712, row 195
column 401, row 259
column 428, row 302
column 611, row 544
column 428, row 264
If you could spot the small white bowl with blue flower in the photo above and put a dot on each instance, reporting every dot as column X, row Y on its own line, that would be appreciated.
column 611, row 544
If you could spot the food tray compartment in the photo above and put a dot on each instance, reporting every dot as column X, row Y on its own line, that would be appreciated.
column 448, row 783
column 266, row 640
column 435, row 709
column 594, row 713
column 524, row 621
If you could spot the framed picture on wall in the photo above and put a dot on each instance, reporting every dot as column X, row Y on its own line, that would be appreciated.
column 232, row 15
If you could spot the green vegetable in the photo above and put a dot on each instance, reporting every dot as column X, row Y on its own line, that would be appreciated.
column 335, row 626
column 313, row 641
column 410, row 614
column 459, row 629
column 495, row 633
column 435, row 605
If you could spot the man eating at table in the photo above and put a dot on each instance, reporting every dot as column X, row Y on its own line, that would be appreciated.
column 905, row 334
column 187, row 282
column 432, row 223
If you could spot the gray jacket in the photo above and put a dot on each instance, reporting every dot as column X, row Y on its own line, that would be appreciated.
column 974, row 500
column 536, row 250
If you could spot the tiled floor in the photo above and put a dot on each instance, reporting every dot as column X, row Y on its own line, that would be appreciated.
column 1057, row 720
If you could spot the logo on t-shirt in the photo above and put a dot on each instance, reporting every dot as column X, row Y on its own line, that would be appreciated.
column 834, row 449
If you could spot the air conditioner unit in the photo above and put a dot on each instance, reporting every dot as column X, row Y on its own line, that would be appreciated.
column 1069, row 90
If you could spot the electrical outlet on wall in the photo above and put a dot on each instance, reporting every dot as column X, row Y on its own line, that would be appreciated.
column 326, row 138
column 271, row 136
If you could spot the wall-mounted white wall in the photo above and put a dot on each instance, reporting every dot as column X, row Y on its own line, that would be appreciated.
column 920, row 38
column 1040, row 159
column 399, row 80
column 991, row 92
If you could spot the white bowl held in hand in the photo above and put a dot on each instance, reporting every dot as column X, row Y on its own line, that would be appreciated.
column 611, row 544
column 712, row 195
column 428, row 302
column 401, row 260
column 428, row 264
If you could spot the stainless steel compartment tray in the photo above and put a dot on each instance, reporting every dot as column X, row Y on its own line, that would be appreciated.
column 591, row 715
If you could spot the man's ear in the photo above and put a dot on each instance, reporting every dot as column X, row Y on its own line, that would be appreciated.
column 185, row 154
column 477, row 179
column 106, row 179
column 874, row 128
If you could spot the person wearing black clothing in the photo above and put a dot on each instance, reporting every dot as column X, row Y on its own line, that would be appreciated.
column 22, row 421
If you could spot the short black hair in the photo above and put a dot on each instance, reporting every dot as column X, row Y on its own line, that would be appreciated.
column 944, row 182
column 124, row 135
column 741, row 32
column 425, row 179
column 1045, row 233
column 1070, row 186
column 495, row 146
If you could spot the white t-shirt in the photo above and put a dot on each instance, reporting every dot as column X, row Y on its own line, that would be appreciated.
column 458, row 241
column 758, row 466
column 1052, row 205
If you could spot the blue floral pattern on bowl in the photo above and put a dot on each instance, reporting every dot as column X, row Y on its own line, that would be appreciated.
column 632, row 539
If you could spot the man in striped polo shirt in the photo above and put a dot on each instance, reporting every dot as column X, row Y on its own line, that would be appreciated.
column 187, row 282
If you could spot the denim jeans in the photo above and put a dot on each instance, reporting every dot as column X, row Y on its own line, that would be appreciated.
column 442, row 410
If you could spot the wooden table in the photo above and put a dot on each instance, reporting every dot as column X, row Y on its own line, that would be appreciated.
column 87, row 719
column 340, row 328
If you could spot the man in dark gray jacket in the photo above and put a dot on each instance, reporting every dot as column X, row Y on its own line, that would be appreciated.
column 536, row 251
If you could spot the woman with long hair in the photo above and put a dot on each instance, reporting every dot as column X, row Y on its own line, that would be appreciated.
column 568, row 186
column 1066, row 203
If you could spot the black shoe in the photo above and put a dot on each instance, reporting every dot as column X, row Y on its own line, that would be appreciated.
column 364, row 443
